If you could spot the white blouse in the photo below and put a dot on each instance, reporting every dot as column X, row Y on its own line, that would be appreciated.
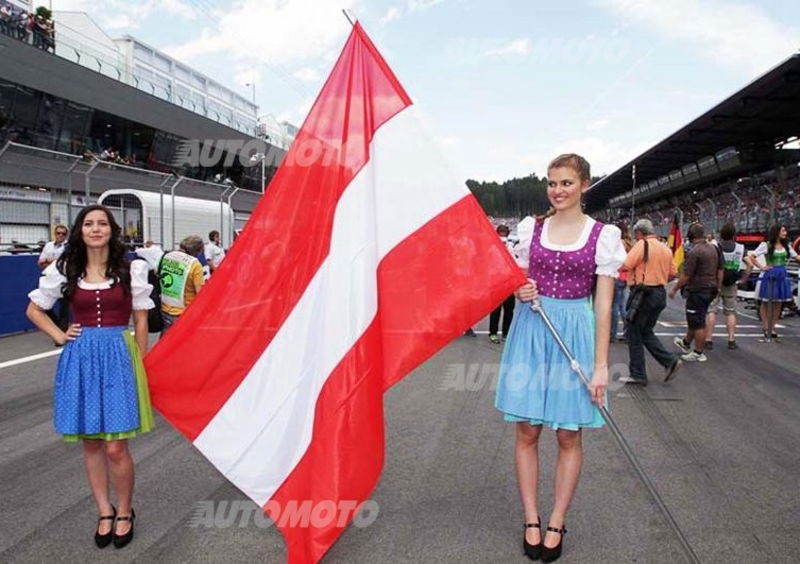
column 51, row 282
column 609, row 255
column 763, row 249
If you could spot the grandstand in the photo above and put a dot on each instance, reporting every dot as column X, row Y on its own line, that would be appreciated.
column 738, row 161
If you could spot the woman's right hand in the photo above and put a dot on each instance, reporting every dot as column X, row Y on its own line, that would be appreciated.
column 72, row 333
column 528, row 292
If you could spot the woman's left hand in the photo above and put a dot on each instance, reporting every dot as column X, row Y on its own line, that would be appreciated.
column 599, row 384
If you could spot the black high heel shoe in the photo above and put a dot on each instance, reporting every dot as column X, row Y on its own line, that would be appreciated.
column 122, row 540
column 532, row 551
column 551, row 554
column 103, row 541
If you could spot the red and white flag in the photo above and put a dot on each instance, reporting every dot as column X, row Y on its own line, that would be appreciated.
column 364, row 258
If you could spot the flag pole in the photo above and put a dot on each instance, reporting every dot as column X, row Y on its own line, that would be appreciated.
column 536, row 306
column 347, row 15
column 633, row 190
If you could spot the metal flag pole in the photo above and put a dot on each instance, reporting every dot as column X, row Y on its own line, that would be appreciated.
column 770, row 322
column 536, row 306
column 633, row 193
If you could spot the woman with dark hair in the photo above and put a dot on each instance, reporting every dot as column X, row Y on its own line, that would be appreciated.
column 100, row 393
column 774, row 285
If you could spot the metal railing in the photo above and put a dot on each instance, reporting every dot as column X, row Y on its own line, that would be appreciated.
column 72, row 181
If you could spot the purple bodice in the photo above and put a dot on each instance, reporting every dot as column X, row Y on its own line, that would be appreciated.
column 563, row 274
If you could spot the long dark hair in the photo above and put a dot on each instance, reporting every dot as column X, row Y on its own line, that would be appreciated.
column 773, row 236
column 72, row 262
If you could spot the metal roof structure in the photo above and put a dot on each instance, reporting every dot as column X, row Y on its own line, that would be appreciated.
column 739, row 133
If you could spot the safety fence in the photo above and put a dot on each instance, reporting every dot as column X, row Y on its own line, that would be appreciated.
column 40, row 188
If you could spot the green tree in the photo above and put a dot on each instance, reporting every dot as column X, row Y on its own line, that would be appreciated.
column 516, row 197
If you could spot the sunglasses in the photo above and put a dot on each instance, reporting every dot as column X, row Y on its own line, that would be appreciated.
column 61, row 232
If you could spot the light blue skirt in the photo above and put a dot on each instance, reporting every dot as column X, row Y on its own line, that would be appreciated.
column 536, row 383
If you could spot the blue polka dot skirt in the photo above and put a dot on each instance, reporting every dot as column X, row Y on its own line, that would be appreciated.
column 536, row 384
column 100, row 387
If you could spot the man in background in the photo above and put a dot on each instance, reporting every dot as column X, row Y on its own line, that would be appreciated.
column 648, row 263
column 732, row 255
column 702, row 278
column 213, row 251
column 181, row 277
column 52, row 250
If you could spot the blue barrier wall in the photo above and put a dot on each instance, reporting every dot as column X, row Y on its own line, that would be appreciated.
column 19, row 274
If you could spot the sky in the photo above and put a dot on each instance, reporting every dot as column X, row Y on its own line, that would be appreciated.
column 503, row 85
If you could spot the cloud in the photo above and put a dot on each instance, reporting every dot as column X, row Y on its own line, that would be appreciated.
column 306, row 74
column 246, row 75
column 272, row 32
column 392, row 13
column 597, row 124
column 422, row 5
column 447, row 140
column 605, row 156
column 716, row 27
column 516, row 47
column 121, row 14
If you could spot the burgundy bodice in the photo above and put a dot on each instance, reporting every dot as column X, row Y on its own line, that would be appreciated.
column 101, row 308
column 563, row 274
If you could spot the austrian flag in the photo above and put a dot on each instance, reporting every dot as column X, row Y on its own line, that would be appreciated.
column 364, row 258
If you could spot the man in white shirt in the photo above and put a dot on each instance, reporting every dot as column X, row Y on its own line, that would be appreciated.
column 213, row 251
column 53, row 249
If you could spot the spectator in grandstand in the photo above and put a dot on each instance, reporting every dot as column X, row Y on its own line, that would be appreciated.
column 620, row 290
column 650, row 265
column 181, row 279
column 507, row 307
column 100, row 393
column 213, row 251
column 5, row 19
column 23, row 23
column 732, row 256
column 774, row 287
column 702, row 277
column 796, row 245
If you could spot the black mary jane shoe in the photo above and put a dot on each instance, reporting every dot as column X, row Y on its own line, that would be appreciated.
column 532, row 551
column 122, row 540
column 103, row 541
column 551, row 554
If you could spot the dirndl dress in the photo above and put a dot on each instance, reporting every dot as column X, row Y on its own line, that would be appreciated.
column 774, row 284
column 536, row 384
column 100, row 389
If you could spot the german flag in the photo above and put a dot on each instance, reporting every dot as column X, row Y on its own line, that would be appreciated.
column 675, row 242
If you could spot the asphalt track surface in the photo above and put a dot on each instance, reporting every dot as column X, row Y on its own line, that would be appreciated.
column 721, row 443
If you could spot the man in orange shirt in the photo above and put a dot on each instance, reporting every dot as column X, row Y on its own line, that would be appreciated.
column 650, row 263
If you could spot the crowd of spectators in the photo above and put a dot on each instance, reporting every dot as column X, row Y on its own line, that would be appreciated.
column 111, row 155
column 32, row 27
column 752, row 203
